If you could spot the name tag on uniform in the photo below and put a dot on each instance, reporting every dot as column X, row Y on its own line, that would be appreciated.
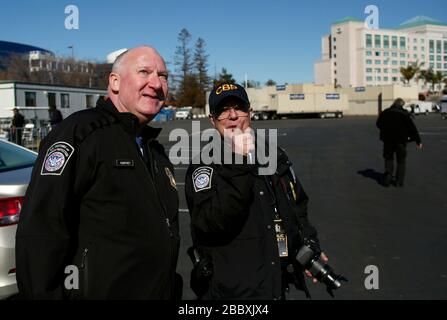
column 281, row 238
column 124, row 163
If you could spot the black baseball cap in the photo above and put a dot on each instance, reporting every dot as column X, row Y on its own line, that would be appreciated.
column 224, row 91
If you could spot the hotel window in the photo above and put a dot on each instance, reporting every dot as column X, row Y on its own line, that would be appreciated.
column 385, row 79
column 415, row 48
column 403, row 55
column 368, row 53
column 432, row 46
column 395, row 70
column 379, row 78
column 423, row 57
column 377, row 70
column 394, row 79
column 335, row 47
column 369, row 41
column 385, row 70
column 394, row 54
column 386, row 54
column 386, row 42
column 394, row 42
column 378, row 62
column 445, row 58
column 385, row 62
column 335, row 39
column 403, row 63
column 423, row 49
column 438, row 58
column 369, row 79
column 432, row 65
column 377, row 41
column 415, row 40
column 30, row 99
column 439, row 65
column 369, row 61
column 377, row 53
column 438, row 46
column 415, row 56
column 445, row 46
column 445, row 65
column 335, row 55
column 422, row 41
column 432, row 57
column 403, row 43
column 394, row 63
column 65, row 100
column 369, row 70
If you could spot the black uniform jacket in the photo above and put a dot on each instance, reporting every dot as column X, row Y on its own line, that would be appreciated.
column 95, row 203
column 232, row 219
column 396, row 126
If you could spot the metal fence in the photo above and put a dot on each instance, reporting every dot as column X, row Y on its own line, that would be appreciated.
column 28, row 136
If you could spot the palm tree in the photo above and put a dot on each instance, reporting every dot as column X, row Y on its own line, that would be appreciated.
column 409, row 72
column 438, row 77
column 428, row 77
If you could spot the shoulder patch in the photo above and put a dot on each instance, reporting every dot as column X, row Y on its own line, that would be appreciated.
column 202, row 178
column 56, row 159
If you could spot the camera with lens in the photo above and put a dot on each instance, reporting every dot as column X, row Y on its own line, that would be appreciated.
column 202, row 263
column 309, row 256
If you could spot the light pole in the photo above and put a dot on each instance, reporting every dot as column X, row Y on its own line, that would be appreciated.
column 72, row 51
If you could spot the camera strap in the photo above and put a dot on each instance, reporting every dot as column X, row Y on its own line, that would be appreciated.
column 281, row 236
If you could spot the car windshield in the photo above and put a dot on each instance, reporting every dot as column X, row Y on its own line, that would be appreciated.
column 14, row 157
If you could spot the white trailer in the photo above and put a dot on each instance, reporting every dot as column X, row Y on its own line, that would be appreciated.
column 299, row 100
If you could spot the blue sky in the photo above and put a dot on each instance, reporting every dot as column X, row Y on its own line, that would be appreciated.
column 277, row 39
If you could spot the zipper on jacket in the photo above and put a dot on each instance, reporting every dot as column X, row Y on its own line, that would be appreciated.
column 152, row 178
column 84, row 267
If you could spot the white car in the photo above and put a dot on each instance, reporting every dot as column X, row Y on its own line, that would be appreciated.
column 443, row 107
column 183, row 114
column 16, row 165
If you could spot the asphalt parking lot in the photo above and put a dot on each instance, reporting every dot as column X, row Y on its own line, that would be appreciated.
column 403, row 232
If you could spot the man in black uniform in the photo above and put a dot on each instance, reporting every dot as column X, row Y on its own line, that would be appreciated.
column 55, row 116
column 246, row 228
column 103, row 198
column 17, row 124
column 396, row 130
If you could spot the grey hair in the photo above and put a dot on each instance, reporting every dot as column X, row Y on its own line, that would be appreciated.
column 399, row 102
column 118, row 60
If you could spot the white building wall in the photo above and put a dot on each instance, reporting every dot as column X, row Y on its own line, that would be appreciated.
column 77, row 98
column 6, row 99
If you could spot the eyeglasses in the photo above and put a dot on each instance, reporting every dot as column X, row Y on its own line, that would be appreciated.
column 240, row 111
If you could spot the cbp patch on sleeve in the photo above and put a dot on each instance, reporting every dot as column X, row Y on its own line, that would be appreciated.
column 56, row 159
column 201, row 178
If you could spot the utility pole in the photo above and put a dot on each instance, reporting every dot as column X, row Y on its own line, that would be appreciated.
column 72, row 51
